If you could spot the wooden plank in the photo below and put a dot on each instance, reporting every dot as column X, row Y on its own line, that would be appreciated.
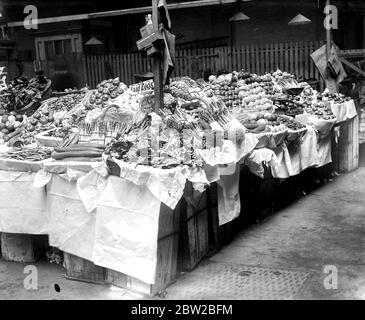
column 194, row 233
column 271, row 57
column 276, row 56
column 291, row 58
column 267, row 58
column 125, row 68
column 296, row 59
column 257, row 59
column 349, row 146
column 352, row 66
column 306, row 60
column 252, row 59
column 301, row 59
column 281, row 56
column 83, row 270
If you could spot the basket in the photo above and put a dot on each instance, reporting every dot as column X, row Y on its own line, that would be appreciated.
column 33, row 106
column 47, row 141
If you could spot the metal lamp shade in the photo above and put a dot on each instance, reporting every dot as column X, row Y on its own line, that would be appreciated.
column 299, row 20
column 93, row 41
column 239, row 16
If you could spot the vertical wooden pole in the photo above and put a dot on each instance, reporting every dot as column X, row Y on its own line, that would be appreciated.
column 328, row 37
column 157, row 62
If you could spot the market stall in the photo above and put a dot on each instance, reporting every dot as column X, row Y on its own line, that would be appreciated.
column 115, row 184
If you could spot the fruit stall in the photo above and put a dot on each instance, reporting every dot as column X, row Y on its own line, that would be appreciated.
column 132, row 196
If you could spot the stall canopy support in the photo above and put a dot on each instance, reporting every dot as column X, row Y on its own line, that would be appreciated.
column 157, row 62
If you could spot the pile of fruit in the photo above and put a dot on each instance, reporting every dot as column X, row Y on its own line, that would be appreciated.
column 290, row 123
column 10, row 124
column 290, row 106
column 335, row 97
column 321, row 110
column 242, row 89
column 254, row 96
column 262, row 122
column 63, row 103
column 105, row 91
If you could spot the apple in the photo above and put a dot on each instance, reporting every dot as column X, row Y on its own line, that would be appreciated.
column 30, row 128
column 33, row 122
column 10, row 128
column 17, row 124
column 4, row 118
column 43, row 120
column 19, row 118
column 11, row 119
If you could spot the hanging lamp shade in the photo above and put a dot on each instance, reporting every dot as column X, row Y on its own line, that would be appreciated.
column 239, row 16
column 299, row 20
column 93, row 41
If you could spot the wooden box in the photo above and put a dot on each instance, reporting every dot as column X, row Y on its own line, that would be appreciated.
column 167, row 253
column 348, row 146
column 83, row 270
column 23, row 247
column 194, row 229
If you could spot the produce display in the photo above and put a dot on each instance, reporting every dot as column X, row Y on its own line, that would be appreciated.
column 64, row 103
column 10, row 124
column 119, row 121
column 241, row 89
column 105, row 91
column 290, row 106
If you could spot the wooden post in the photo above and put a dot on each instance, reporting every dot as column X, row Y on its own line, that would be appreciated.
column 157, row 62
column 328, row 37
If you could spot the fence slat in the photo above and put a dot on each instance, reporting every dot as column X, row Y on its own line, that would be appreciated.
column 291, row 57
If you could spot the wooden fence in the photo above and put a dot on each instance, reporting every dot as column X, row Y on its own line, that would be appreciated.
column 291, row 57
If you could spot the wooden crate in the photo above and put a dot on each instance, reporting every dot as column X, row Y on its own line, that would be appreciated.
column 348, row 146
column 167, row 253
column 83, row 270
column 194, row 229
column 23, row 247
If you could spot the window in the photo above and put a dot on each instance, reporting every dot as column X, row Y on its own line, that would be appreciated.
column 50, row 47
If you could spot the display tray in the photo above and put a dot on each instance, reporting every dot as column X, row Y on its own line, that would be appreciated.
column 22, row 166
column 48, row 141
